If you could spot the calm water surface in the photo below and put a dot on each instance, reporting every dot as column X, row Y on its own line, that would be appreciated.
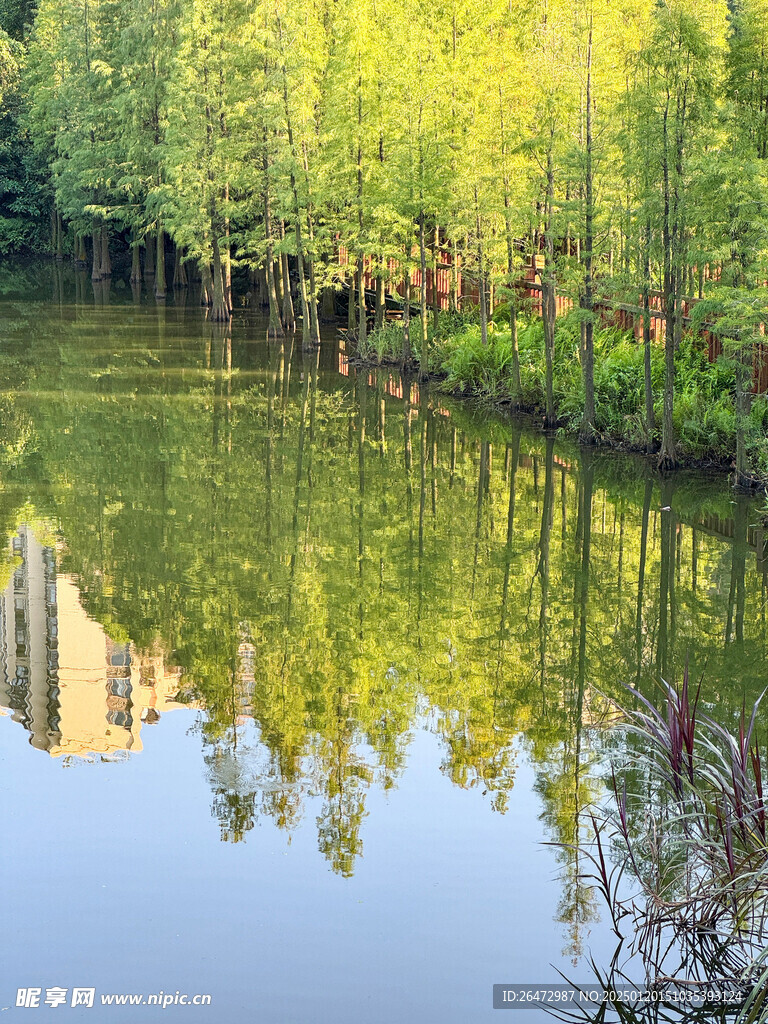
column 301, row 668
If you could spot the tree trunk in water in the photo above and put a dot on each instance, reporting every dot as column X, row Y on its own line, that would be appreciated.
column 407, row 318
column 549, row 312
column 667, row 455
column 512, row 284
column 219, row 307
column 279, row 288
column 313, row 296
column 380, row 301
column 179, row 270
column 307, row 319
column 260, row 296
column 289, row 317
column 59, row 237
column 362, row 328
column 275, row 329
column 314, row 316
column 328, row 311
column 275, row 324
column 351, row 311
column 228, row 273
column 135, row 263
column 106, row 263
column 206, row 284
column 160, row 285
column 96, row 267
column 149, row 255
column 424, row 358
column 227, row 259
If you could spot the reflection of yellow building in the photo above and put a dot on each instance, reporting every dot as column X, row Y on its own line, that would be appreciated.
column 61, row 677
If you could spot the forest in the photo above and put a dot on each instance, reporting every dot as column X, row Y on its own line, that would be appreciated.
column 615, row 153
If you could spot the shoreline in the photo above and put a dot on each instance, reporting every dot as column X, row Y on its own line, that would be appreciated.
column 532, row 416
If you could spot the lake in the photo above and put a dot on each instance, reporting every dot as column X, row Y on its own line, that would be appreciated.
column 306, row 671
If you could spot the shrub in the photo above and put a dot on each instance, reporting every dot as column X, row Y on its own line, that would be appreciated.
column 704, row 412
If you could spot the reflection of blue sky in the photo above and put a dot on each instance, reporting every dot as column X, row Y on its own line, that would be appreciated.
column 115, row 877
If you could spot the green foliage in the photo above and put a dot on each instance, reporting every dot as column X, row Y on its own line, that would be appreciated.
column 479, row 369
column 16, row 17
column 24, row 191
column 705, row 414
column 385, row 344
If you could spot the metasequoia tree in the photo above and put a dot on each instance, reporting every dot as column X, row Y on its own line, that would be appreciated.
column 201, row 145
column 548, row 132
column 678, row 71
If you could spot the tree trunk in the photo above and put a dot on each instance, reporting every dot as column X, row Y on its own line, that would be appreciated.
column 289, row 316
column 259, row 296
column 206, row 284
column 351, row 309
column 275, row 327
column 481, row 275
column 667, row 454
column 328, row 311
column 314, row 317
column 135, row 263
column 227, row 257
column 160, row 285
column 362, row 329
column 363, row 324
column 407, row 356
column 435, row 295
column 279, row 285
column 308, row 324
column 380, row 301
column 219, row 308
column 650, row 418
column 587, row 430
column 179, row 270
column 424, row 359
column 453, row 301
column 96, row 267
column 548, row 303
column 59, row 237
column 512, row 284
column 106, row 263
column 149, row 255
column 516, row 383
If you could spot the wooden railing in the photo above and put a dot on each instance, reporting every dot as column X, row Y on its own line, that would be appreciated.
column 626, row 316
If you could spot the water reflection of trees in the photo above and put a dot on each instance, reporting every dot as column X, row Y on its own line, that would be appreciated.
column 381, row 563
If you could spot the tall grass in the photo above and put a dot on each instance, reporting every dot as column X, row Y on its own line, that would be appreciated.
column 681, row 853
